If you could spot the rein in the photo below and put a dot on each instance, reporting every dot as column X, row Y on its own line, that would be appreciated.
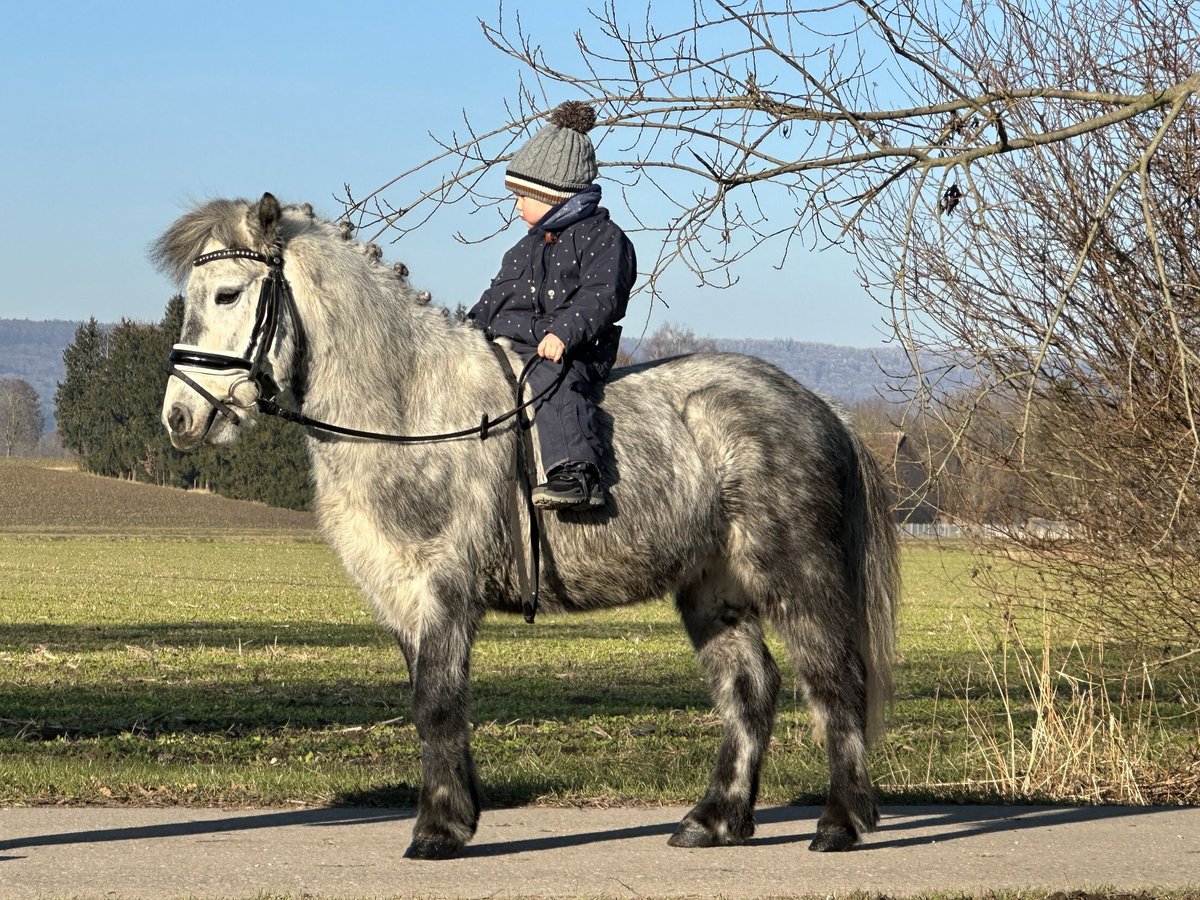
column 483, row 429
column 250, row 369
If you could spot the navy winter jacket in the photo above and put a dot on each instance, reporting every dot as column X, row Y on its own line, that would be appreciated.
column 572, row 281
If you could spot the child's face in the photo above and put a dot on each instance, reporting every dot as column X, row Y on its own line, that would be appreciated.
column 531, row 210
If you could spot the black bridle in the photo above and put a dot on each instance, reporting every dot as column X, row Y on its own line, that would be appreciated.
column 274, row 298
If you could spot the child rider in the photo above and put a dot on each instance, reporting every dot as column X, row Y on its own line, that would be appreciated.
column 559, row 293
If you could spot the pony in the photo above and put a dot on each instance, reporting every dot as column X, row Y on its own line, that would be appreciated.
column 744, row 495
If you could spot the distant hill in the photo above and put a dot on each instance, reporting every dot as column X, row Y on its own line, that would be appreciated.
column 848, row 374
column 33, row 351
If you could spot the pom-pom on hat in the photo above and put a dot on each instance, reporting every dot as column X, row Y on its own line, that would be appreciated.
column 559, row 160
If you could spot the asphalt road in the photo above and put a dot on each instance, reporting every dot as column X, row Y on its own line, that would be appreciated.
column 94, row 852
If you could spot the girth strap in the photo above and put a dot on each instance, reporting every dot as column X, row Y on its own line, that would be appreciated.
column 525, row 477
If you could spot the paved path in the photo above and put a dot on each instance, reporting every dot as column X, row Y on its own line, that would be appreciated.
column 567, row 852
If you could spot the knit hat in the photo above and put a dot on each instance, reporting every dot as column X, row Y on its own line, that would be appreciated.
column 559, row 161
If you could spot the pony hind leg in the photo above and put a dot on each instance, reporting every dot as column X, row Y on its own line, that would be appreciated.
column 833, row 673
column 409, row 654
column 744, row 682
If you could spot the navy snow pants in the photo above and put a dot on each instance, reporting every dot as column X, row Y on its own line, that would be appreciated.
column 566, row 419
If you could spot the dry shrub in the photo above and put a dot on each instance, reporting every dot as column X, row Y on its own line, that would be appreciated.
column 1051, row 311
column 1098, row 730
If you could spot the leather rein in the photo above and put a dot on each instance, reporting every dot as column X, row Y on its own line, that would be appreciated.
column 274, row 298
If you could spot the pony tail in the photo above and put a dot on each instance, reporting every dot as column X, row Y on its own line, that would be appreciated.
column 873, row 551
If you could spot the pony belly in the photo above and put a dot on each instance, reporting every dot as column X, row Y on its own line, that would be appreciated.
column 596, row 566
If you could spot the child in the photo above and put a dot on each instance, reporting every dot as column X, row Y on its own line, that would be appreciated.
column 558, row 294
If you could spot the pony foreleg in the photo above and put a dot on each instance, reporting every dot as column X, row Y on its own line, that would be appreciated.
column 448, row 810
column 744, row 681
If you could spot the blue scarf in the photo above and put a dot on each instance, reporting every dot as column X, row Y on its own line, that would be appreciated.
column 574, row 209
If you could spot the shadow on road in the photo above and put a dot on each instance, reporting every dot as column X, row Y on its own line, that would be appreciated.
column 951, row 824
column 559, row 841
column 970, row 821
column 312, row 817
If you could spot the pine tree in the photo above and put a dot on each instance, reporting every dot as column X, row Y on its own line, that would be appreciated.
column 134, row 440
column 77, row 400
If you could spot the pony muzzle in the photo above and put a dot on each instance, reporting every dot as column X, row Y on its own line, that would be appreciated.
column 223, row 381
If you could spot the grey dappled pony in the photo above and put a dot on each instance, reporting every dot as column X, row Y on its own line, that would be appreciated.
column 733, row 488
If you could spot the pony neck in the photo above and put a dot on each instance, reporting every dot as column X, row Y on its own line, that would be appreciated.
column 370, row 343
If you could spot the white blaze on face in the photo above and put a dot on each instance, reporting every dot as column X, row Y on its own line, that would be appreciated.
column 219, row 312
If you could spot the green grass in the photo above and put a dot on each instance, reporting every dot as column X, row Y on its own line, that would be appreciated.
column 249, row 672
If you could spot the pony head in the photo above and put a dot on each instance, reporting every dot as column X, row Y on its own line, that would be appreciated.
column 240, row 328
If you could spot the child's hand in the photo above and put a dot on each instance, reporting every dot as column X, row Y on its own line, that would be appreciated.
column 552, row 348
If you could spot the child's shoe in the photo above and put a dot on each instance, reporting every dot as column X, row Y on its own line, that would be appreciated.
column 573, row 485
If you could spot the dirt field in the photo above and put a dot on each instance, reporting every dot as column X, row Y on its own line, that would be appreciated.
column 48, row 496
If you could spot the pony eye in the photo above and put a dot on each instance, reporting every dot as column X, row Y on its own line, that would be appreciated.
column 224, row 298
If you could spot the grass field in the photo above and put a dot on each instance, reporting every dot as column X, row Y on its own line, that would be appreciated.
column 145, row 659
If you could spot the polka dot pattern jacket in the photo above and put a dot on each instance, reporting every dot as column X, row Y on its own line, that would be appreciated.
column 573, row 283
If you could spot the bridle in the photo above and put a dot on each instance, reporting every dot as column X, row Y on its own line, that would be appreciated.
column 251, row 368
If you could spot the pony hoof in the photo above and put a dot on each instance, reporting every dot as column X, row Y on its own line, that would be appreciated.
column 834, row 840
column 432, row 848
column 691, row 833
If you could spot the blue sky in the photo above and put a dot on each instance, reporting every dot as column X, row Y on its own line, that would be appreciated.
column 119, row 116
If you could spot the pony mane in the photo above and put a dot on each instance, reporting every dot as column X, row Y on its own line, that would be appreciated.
column 226, row 221
column 218, row 220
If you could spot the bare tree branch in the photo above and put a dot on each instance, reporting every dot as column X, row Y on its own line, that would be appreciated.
column 1019, row 183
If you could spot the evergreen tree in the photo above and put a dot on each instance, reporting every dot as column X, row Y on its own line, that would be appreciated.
column 269, row 464
column 134, row 439
column 77, row 400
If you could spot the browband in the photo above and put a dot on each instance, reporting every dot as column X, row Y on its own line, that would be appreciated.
column 275, row 260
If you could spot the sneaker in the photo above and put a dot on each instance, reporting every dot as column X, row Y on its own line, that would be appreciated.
column 570, row 486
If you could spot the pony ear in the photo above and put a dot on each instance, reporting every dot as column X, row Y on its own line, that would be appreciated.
column 264, row 218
